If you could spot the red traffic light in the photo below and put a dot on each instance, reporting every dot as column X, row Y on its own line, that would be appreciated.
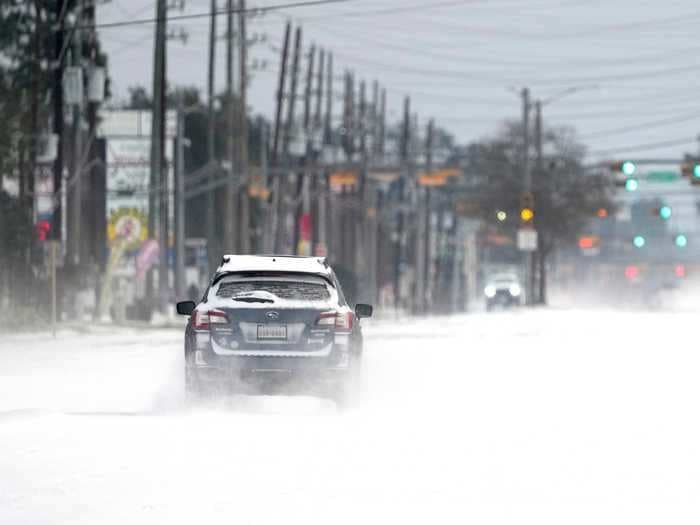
column 631, row 272
column 679, row 270
column 42, row 230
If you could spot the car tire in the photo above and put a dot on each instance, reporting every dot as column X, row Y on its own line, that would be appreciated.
column 193, row 386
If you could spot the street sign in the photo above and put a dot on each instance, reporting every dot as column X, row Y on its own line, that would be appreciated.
column 527, row 240
column 662, row 176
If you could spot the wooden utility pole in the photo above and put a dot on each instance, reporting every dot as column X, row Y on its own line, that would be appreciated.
column 244, row 232
column 304, row 218
column 163, row 190
column 74, row 189
column 400, row 234
column 57, row 99
column 361, row 237
column 328, row 124
column 317, row 120
column 538, row 262
column 382, row 123
column 230, row 241
column 374, row 119
column 319, row 185
column 212, row 241
column 285, row 234
column 180, row 200
column 422, row 213
column 289, row 124
column 272, row 240
column 280, row 96
column 527, row 188
column 156, row 139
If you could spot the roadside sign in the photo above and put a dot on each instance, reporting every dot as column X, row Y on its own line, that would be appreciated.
column 662, row 176
column 527, row 240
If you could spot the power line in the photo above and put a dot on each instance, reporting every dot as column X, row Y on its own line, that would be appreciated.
column 472, row 75
column 646, row 125
column 395, row 10
column 176, row 18
column 642, row 147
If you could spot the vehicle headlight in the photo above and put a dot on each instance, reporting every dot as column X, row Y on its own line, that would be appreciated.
column 490, row 291
column 514, row 290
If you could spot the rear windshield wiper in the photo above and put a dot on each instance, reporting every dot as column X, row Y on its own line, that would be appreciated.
column 253, row 299
column 259, row 296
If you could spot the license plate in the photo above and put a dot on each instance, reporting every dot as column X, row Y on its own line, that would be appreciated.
column 272, row 331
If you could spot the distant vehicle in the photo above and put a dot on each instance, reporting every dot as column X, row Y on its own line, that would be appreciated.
column 502, row 290
column 273, row 324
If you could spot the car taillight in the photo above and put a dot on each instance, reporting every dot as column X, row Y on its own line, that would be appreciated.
column 340, row 320
column 203, row 320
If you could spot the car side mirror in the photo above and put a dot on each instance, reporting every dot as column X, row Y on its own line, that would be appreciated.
column 186, row 307
column 363, row 310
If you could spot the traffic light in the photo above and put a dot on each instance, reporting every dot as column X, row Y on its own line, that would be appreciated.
column 526, row 215
column 42, row 229
column 639, row 241
column 665, row 212
column 681, row 240
column 691, row 169
column 628, row 168
column 527, row 208
column 631, row 184
column 631, row 272
column 501, row 215
column 679, row 270
column 695, row 178
column 602, row 213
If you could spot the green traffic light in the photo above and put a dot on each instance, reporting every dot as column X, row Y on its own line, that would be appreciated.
column 631, row 184
column 639, row 241
column 665, row 212
column 628, row 168
column 681, row 241
column 696, row 171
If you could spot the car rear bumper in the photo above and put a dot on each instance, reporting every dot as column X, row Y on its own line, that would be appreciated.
column 210, row 367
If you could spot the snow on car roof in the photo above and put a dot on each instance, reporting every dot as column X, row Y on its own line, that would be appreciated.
column 274, row 263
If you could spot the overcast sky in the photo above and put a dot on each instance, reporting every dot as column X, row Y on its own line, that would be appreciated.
column 637, row 61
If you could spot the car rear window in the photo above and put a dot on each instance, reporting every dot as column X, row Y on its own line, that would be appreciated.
column 295, row 290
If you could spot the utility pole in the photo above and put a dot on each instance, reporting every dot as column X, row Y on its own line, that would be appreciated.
column 212, row 243
column 319, row 180
column 230, row 244
column 421, row 229
column 156, row 139
column 163, row 213
column 399, row 240
column 280, row 96
column 75, row 188
column 527, row 187
column 57, row 99
column 371, row 198
column 538, row 136
column 382, row 124
column 273, row 227
column 537, row 263
column 327, row 143
column 289, row 124
column 244, row 234
column 285, row 235
column 304, row 219
column 180, row 201
column 374, row 119
column 361, row 222
column 328, row 125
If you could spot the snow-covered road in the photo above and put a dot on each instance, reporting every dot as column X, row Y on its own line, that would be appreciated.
column 546, row 417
